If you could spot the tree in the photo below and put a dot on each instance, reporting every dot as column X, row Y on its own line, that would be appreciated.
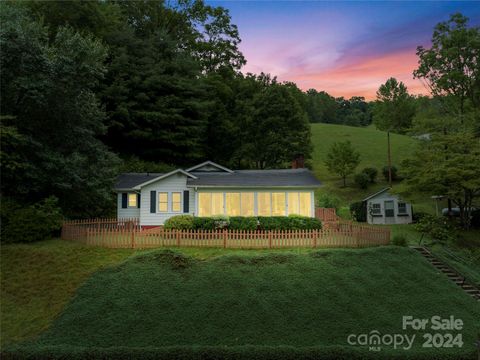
column 448, row 165
column 342, row 159
column 450, row 67
column 320, row 107
column 52, row 116
column 277, row 128
column 394, row 108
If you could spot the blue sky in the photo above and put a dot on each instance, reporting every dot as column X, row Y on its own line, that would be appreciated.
column 345, row 48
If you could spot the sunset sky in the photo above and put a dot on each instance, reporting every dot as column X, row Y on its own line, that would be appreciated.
column 344, row 48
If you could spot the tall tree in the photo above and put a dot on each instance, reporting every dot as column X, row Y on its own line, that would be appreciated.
column 276, row 129
column 450, row 67
column 394, row 108
column 53, row 116
column 342, row 159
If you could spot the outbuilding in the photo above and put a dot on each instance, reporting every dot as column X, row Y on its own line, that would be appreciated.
column 384, row 208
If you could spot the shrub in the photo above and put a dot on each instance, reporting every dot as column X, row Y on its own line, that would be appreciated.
column 394, row 173
column 362, row 180
column 475, row 220
column 293, row 222
column 437, row 228
column 180, row 222
column 31, row 223
column 328, row 200
column 243, row 223
column 371, row 172
column 358, row 210
column 418, row 215
column 399, row 240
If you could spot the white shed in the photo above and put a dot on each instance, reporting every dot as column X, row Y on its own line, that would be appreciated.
column 385, row 208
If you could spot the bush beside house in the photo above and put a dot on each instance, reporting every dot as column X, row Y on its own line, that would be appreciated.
column 292, row 222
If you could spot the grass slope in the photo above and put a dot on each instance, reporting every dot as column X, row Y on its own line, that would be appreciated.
column 283, row 298
column 38, row 280
column 372, row 146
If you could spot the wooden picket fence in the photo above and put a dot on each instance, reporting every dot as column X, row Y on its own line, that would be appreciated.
column 128, row 234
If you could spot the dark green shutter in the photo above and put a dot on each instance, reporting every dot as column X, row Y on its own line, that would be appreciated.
column 153, row 200
column 186, row 201
column 124, row 200
column 138, row 201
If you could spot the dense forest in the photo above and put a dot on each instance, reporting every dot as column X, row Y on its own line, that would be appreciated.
column 93, row 88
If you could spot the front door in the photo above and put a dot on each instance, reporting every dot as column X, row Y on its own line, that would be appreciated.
column 389, row 212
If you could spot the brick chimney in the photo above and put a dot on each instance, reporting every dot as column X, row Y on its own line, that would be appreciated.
column 298, row 162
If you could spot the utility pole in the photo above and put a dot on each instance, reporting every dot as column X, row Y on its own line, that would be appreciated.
column 389, row 161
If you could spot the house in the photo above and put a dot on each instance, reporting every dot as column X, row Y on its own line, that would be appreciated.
column 385, row 208
column 209, row 189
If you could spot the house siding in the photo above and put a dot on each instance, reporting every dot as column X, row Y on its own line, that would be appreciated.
column 127, row 213
column 174, row 183
column 381, row 220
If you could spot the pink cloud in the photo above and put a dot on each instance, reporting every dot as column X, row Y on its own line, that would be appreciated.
column 360, row 77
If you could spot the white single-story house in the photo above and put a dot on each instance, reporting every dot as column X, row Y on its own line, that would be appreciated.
column 210, row 189
column 385, row 208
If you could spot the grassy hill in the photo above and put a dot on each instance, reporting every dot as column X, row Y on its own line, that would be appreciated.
column 372, row 146
column 301, row 299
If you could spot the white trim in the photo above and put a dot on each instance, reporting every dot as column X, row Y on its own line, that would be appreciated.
column 208, row 162
column 377, row 193
column 139, row 186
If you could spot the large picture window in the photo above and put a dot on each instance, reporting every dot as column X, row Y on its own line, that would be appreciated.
column 204, row 204
column 261, row 203
column 293, row 203
column 247, row 204
column 305, row 203
column 217, row 204
column 232, row 204
column 278, row 204
column 263, row 206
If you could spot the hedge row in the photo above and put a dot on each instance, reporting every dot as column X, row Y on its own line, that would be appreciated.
column 188, row 222
column 223, row 352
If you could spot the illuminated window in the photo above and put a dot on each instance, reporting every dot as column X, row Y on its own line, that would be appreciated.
column 248, row 204
column 204, row 204
column 176, row 201
column 293, row 203
column 132, row 200
column 263, row 199
column 217, row 203
column 305, row 203
column 232, row 204
column 162, row 202
column 278, row 204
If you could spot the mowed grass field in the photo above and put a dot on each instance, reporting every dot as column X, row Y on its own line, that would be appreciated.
column 372, row 146
column 223, row 298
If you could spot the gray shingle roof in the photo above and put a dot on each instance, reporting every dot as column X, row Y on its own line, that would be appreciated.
column 129, row 180
column 239, row 178
column 248, row 178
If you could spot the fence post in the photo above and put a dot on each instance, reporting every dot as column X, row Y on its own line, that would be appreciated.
column 314, row 238
column 133, row 237
column 270, row 239
column 224, row 238
column 178, row 237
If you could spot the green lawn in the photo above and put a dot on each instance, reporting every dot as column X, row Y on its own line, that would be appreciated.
column 39, row 279
column 197, row 298
column 372, row 146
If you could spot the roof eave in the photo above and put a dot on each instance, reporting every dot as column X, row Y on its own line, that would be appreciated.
column 164, row 176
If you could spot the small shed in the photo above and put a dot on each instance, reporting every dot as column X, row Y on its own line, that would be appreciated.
column 385, row 208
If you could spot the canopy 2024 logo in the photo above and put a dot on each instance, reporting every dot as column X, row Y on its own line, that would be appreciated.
column 375, row 340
